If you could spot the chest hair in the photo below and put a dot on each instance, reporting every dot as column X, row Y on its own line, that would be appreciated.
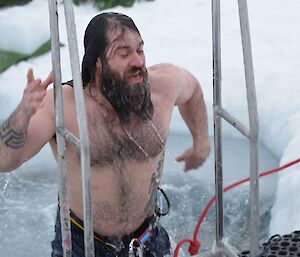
column 111, row 146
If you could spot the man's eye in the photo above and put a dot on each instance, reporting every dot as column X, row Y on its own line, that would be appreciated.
column 140, row 51
column 123, row 53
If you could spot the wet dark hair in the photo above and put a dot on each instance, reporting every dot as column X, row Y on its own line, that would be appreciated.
column 96, row 41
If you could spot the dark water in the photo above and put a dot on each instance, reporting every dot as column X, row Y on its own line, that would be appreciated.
column 28, row 200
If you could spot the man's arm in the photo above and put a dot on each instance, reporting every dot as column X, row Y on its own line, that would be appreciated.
column 192, row 108
column 28, row 128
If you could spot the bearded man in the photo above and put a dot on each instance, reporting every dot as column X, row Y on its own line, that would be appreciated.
column 128, row 109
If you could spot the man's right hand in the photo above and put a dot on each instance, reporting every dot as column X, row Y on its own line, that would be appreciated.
column 34, row 93
column 17, row 143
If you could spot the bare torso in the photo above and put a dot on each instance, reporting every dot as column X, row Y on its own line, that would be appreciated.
column 126, row 164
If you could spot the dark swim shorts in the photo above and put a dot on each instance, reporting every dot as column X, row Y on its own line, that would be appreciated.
column 157, row 245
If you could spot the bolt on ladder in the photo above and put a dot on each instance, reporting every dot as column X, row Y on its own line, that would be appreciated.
column 82, row 143
column 251, row 133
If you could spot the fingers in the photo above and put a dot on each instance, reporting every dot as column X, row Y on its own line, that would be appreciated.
column 35, row 92
column 47, row 81
column 36, row 84
column 190, row 159
column 182, row 158
column 30, row 77
column 188, row 166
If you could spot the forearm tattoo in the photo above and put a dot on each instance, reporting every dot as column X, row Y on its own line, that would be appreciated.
column 10, row 137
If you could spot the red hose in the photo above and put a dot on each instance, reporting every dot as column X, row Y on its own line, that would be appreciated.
column 195, row 243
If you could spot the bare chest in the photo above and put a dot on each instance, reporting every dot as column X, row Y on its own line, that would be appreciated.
column 112, row 144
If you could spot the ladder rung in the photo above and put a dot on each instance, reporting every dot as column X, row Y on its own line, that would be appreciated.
column 69, row 136
column 233, row 121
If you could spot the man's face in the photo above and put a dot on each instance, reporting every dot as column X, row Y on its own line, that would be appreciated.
column 124, row 77
column 125, row 55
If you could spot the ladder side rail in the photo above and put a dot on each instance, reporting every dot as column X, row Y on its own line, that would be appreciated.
column 83, row 131
column 61, row 145
column 253, row 117
column 216, row 39
column 233, row 121
column 253, row 123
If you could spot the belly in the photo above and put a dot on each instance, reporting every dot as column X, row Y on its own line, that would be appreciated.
column 121, row 199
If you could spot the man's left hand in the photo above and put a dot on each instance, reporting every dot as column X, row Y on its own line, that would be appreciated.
column 194, row 158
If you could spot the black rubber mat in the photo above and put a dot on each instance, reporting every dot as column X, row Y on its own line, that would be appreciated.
column 279, row 246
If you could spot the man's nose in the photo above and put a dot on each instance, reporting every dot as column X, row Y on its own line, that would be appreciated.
column 137, row 60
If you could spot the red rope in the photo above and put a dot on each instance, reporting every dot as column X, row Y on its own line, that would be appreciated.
column 195, row 243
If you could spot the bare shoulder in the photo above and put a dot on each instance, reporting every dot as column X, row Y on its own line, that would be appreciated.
column 67, row 91
column 162, row 67
column 161, row 76
column 170, row 72
column 163, row 70
column 171, row 80
column 48, row 102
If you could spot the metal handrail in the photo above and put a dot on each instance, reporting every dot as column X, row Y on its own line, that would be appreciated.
column 216, row 40
column 63, row 134
column 253, row 123
column 61, row 144
column 251, row 133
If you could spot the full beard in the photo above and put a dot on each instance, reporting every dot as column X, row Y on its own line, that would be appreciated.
column 126, row 98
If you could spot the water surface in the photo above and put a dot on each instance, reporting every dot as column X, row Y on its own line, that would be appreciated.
column 28, row 199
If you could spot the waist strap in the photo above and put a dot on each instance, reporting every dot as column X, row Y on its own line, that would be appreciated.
column 115, row 242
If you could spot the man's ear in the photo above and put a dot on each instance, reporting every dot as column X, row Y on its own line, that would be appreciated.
column 98, row 64
column 98, row 70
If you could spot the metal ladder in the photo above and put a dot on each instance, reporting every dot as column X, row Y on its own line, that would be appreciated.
column 62, row 134
column 251, row 133
column 219, row 112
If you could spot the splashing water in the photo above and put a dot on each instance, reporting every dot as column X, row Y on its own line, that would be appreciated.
column 29, row 197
